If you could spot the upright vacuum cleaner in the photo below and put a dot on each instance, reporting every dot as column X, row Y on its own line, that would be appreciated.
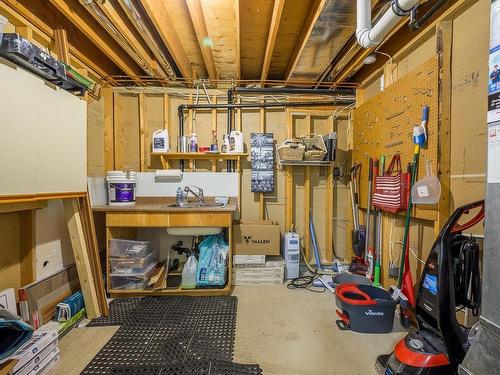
column 450, row 282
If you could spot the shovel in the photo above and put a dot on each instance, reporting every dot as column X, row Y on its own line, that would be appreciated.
column 428, row 189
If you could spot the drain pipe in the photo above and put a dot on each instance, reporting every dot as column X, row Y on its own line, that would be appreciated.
column 370, row 36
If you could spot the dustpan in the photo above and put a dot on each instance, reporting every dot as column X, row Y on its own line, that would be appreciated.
column 428, row 189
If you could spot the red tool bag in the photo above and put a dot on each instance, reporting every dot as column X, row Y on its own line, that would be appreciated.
column 392, row 190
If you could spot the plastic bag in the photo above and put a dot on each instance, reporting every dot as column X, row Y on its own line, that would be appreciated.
column 212, row 263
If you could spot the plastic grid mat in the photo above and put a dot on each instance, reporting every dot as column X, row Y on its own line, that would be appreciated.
column 170, row 335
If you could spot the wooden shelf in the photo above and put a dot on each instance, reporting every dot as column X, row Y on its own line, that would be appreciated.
column 173, row 291
column 166, row 157
column 199, row 156
column 306, row 163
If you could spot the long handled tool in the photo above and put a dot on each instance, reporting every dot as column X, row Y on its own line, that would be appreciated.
column 404, row 279
column 357, row 243
column 378, row 170
column 368, row 249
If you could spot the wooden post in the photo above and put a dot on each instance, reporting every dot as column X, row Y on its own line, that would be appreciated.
column 214, row 128
column 80, row 251
column 118, row 131
column 109, row 146
column 307, row 200
column 262, row 129
column 28, row 246
column 61, row 44
column 444, row 46
column 142, row 134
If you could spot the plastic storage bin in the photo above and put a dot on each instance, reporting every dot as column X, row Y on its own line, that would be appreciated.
column 128, row 248
column 133, row 280
column 128, row 265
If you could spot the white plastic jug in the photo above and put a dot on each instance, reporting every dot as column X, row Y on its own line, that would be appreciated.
column 160, row 141
column 189, row 273
column 236, row 142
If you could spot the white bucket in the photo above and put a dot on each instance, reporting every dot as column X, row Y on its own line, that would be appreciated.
column 121, row 188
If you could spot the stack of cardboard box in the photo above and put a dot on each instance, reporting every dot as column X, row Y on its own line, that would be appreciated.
column 257, row 257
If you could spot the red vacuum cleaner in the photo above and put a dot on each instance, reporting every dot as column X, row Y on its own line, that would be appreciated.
column 450, row 282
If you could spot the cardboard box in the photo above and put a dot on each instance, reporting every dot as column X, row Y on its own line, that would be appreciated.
column 256, row 238
column 249, row 260
column 272, row 272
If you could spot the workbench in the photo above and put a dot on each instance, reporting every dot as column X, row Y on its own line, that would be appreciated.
column 157, row 212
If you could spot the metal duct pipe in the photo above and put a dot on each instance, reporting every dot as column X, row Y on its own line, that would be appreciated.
column 136, row 18
column 416, row 24
column 292, row 90
column 104, row 21
column 370, row 36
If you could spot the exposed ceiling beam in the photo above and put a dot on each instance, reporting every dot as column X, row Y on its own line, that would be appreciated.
column 159, row 17
column 271, row 39
column 124, row 29
column 82, row 20
column 312, row 17
column 200, row 28
column 43, row 21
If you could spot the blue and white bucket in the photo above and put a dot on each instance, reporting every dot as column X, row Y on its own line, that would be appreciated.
column 121, row 188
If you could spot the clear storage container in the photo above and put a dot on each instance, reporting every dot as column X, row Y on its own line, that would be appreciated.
column 131, row 265
column 128, row 248
column 133, row 280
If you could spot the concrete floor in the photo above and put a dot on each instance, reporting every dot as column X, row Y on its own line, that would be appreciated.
column 287, row 332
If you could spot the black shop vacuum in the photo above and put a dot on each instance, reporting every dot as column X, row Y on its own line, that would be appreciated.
column 450, row 282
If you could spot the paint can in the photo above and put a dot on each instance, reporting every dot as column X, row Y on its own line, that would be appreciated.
column 121, row 188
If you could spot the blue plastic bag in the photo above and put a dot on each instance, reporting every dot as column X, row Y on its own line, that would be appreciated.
column 212, row 262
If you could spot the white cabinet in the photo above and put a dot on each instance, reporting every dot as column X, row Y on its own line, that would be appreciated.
column 42, row 136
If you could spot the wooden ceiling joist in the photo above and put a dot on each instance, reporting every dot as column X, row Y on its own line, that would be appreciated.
column 78, row 16
column 112, row 14
column 200, row 27
column 312, row 17
column 159, row 17
column 271, row 39
column 19, row 15
column 238, row 38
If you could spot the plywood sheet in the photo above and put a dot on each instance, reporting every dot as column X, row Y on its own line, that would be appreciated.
column 292, row 22
column 153, row 121
column 255, row 18
column 10, row 265
column 179, row 14
column 95, row 138
column 220, row 17
column 127, row 140
column 384, row 124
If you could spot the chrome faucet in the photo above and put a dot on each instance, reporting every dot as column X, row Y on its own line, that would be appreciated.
column 198, row 195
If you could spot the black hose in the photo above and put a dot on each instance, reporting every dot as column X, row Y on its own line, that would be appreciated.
column 416, row 24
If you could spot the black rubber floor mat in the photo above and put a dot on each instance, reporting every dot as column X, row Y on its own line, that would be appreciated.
column 170, row 335
column 119, row 311
column 191, row 368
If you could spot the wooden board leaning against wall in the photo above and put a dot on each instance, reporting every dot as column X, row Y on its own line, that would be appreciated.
column 466, row 153
column 118, row 142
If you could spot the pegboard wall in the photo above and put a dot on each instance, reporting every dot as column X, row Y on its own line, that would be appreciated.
column 383, row 126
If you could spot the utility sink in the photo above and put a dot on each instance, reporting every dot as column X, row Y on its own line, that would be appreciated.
column 194, row 231
column 195, row 205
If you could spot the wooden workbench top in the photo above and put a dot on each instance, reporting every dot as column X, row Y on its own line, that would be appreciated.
column 161, row 204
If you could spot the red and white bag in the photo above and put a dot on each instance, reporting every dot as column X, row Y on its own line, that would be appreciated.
column 392, row 190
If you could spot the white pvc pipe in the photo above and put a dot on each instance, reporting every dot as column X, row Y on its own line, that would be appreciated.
column 370, row 36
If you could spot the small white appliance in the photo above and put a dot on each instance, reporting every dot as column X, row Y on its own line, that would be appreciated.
column 291, row 254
